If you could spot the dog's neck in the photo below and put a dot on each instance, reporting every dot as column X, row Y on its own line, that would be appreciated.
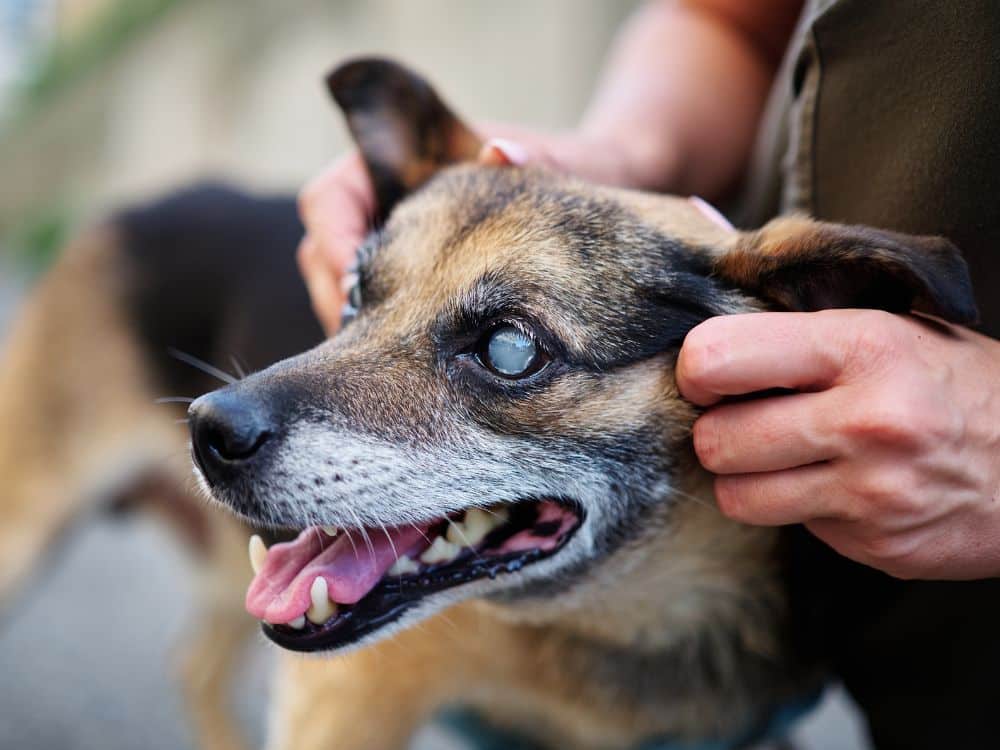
column 684, row 625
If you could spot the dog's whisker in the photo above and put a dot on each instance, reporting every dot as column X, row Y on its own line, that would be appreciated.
column 388, row 538
column 364, row 533
column 240, row 371
column 318, row 534
column 354, row 547
column 200, row 364
column 694, row 498
column 493, row 513
column 419, row 531
column 458, row 530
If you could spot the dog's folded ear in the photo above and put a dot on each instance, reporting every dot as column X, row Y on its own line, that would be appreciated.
column 404, row 130
column 799, row 264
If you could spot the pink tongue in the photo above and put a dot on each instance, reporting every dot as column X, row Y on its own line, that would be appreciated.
column 280, row 591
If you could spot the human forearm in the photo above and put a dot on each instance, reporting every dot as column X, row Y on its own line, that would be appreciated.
column 683, row 90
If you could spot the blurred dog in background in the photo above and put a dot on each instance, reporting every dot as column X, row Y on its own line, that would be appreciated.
column 95, row 376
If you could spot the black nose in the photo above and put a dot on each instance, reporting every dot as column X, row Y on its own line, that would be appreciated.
column 227, row 430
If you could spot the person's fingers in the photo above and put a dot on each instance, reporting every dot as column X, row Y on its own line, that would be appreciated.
column 600, row 161
column 782, row 497
column 324, row 288
column 561, row 155
column 738, row 354
column 769, row 434
column 337, row 207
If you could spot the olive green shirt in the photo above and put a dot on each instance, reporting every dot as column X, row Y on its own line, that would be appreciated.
column 887, row 113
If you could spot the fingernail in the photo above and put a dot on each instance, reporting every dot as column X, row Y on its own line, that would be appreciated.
column 502, row 152
column 711, row 212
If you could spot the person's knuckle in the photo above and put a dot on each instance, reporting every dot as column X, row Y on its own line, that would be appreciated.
column 873, row 338
column 934, row 419
column 888, row 415
column 891, row 552
column 887, row 493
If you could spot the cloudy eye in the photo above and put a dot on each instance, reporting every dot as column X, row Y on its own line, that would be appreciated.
column 510, row 353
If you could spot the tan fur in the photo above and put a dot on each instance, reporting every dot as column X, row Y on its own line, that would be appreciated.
column 81, row 429
column 536, row 667
column 677, row 216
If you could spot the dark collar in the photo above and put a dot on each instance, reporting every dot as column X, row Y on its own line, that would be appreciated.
column 480, row 735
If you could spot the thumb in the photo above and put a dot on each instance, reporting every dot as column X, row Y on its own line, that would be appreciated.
column 503, row 152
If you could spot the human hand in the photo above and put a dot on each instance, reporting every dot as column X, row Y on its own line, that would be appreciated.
column 336, row 207
column 889, row 450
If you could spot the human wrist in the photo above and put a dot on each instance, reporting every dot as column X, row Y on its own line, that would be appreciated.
column 614, row 156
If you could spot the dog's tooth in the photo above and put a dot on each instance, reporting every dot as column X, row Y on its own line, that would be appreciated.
column 258, row 553
column 473, row 530
column 321, row 609
column 404, row 566
column 298, row 623
column 456, row 533
column 440, row 551
column 483, row 520
column 330, row 530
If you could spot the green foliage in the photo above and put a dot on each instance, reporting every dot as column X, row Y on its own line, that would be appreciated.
column 100, row 41
column 36, row 240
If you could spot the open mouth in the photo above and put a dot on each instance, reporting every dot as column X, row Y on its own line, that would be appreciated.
column 328, row 588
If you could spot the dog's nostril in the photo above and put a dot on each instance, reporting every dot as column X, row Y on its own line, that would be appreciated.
column 226, row 429
column 233, row 445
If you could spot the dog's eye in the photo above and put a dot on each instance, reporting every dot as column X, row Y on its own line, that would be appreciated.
column 509, row 352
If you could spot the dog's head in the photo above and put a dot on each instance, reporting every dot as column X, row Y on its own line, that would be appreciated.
column 500, row 416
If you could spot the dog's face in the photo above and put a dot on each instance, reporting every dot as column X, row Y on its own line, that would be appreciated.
column 500, row 415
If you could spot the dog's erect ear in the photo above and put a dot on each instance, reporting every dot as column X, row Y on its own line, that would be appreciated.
column 799, row 264
column 404, row 130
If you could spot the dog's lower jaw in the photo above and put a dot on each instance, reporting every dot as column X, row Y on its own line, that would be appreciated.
column 690, row 648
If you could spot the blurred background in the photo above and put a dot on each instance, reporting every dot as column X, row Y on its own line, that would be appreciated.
column 110, row 102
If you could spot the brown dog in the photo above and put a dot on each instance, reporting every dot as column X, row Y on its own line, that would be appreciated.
column 501, row 464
